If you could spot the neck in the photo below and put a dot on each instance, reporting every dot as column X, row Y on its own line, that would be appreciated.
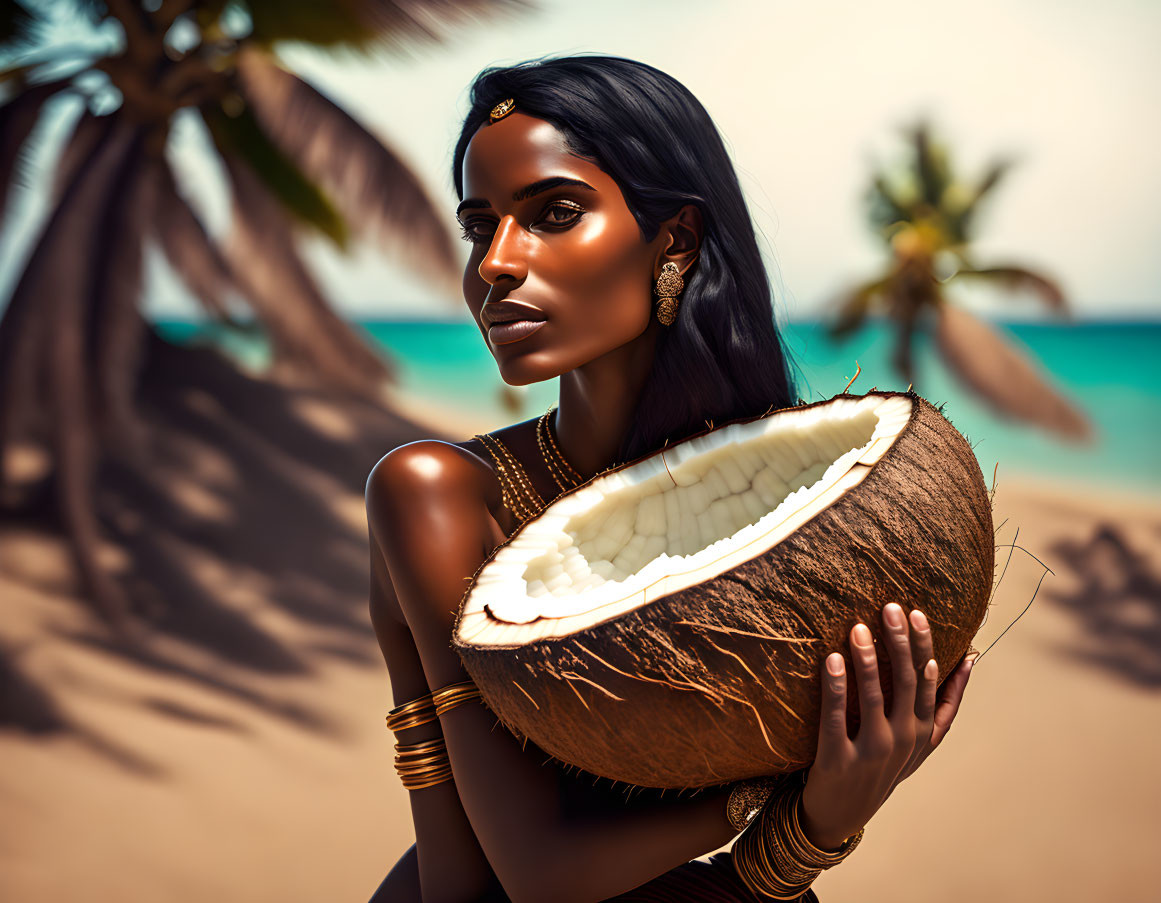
column 597, row 401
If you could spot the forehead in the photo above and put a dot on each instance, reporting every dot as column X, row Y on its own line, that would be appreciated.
column 506, row 155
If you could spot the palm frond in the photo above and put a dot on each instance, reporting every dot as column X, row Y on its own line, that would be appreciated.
column 886, row 204
column 993, row 175
column 931, row 165
column 19, row 27
column 87, row 132
column 1003, row 376
column 366, row 25
column 373, row 188
column 116, row 327
column 854, row 306
column 75, row 446
column 329, row 25
column 1017, row 279
column 18, row 118
column 43, row 361
column 962, row 219
column 241, row 137
column 18, row 74
column 307, row 335
column 188, row 247
column 25, row 331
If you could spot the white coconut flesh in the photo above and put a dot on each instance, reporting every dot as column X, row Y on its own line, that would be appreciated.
column 676, row 519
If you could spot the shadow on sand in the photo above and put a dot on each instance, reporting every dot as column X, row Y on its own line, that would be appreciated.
column 1117, row 599
column 246, row 483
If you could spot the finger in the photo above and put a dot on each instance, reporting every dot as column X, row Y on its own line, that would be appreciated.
column 833, row 738
column 921, row 638
column 925, row 696
column 925, row 714
column 951, row 694
column 924, row 654
column 867, row 674
column 902, row 667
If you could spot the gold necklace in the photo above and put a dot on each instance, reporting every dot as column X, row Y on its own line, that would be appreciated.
column 562, row 472
column 523, row 490
column 517, row 493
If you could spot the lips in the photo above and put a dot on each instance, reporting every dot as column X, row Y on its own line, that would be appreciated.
column 511, row 321
column 512, row 331
column 509, row 311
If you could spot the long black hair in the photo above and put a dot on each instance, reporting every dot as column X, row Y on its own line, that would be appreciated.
column 723, row 357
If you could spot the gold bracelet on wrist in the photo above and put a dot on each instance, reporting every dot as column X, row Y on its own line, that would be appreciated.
column 423, row 764
column 805, row 850
column 447, row 698
column 426, row 763
column 427, row 708
column 762, row 862
column 773, row 856
column 412, row 714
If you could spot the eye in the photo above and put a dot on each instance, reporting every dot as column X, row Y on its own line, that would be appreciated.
column 479, row 230
column 470, row 234
column 571, row 213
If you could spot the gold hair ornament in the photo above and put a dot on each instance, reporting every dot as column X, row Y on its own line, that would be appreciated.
column 502, row 109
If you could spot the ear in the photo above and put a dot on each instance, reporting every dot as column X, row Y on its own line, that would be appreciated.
column 685, row 232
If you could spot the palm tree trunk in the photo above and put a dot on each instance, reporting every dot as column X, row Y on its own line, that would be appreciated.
column 1004, row 377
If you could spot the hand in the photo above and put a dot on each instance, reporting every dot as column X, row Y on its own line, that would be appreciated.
column 851, row 779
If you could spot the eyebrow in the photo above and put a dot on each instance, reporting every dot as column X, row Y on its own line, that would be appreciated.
column 538, row 187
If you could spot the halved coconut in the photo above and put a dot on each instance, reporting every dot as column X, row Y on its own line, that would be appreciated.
column 664, row 624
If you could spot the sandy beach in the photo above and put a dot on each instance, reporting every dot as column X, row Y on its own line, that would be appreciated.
column 185, row 770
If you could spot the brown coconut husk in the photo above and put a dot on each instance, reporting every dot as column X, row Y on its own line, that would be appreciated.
column 721, row 681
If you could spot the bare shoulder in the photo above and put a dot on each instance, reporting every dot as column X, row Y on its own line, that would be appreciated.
column 430, row 528
column 425, row 462
column 424, row 477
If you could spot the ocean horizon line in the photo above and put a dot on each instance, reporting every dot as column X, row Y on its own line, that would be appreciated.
column 1076, row 321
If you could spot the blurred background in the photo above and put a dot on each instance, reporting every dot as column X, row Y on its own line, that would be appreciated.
column 230, row 283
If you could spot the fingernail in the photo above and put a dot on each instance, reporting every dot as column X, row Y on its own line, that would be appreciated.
column 919, row 619
column 834, row 664
column 894, row 614
column 970, row 662
column 862, row 635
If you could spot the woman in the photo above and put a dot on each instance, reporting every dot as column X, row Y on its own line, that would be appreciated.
column 583, row 180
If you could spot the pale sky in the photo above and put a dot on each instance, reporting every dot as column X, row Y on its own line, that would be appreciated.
column 806, row 95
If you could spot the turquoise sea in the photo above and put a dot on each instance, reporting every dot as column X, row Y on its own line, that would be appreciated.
column 1112, row 370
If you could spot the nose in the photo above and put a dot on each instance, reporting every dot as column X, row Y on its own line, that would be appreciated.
column 505, row 255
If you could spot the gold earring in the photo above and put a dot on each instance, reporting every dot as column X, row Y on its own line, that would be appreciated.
column 669, row 286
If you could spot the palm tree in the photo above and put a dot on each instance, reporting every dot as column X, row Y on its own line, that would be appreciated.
column 72, row 335
column 926, row 217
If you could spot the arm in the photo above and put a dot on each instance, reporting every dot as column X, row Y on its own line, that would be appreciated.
column 426, row 514
column 451, row 866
